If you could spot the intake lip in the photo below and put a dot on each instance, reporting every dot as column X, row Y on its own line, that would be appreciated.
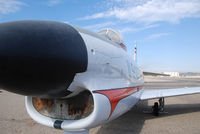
column 40, row 58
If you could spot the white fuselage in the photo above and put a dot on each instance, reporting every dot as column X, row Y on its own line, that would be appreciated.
column 112, row 77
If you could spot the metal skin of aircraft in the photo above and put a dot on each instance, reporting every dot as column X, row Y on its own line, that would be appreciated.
column 73, row 79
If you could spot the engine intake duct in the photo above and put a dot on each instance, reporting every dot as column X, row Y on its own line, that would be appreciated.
column 74, row 108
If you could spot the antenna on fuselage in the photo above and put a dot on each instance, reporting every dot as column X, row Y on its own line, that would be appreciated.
column 135, row 52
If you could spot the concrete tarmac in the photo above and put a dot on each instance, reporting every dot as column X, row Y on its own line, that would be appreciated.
column 182, row 117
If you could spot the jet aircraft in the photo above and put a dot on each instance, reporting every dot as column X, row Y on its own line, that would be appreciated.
column 73, row 79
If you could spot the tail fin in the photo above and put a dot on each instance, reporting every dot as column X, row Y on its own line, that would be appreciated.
column 135, row 52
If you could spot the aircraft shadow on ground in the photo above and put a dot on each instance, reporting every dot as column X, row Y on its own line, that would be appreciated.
column 133, row 120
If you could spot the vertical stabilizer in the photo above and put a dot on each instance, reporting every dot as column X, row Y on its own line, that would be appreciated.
column 135, row 52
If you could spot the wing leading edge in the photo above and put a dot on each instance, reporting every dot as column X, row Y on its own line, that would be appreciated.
column 153, row 94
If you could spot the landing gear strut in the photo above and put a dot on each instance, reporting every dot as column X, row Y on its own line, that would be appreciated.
column 156, row 109
column 162, row 104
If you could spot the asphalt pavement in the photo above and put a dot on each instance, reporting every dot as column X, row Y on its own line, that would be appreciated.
column 182, row 114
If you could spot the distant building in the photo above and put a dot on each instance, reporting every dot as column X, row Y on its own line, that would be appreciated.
column 172, row 74
column 190, row 74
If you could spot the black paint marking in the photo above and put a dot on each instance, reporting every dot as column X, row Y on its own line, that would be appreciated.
column 57, row 124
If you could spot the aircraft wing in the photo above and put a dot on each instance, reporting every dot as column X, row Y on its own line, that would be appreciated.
column 158, row 93
column 154, row 74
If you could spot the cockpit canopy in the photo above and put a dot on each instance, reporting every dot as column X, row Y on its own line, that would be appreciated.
column 112, row 34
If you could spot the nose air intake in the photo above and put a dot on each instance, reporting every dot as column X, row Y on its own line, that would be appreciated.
column 40, row 58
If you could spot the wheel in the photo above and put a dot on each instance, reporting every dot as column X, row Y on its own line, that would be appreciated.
column 155, row 109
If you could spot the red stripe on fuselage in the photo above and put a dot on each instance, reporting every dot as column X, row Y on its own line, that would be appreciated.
column 115, row 95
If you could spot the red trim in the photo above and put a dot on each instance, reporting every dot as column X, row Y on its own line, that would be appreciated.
column 123, row 46
column 115, row 95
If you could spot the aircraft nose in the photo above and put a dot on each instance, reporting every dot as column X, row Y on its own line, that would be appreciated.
column 40, row 58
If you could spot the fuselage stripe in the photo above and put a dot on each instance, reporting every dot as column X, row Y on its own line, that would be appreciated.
column 115, row 95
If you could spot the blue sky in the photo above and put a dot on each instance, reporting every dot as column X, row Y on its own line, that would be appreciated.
column 167, row 31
